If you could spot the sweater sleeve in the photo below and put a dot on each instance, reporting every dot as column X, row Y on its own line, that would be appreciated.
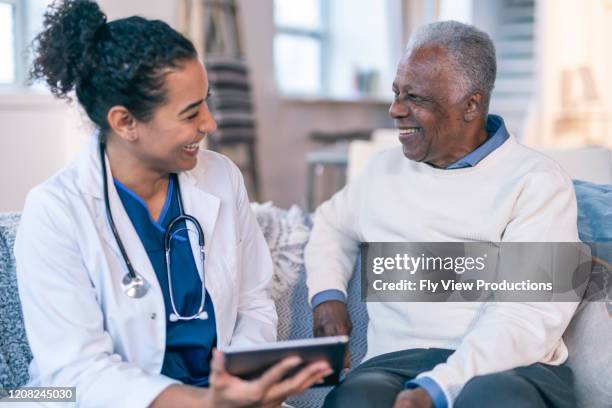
column 334, row 242
column 513, row 334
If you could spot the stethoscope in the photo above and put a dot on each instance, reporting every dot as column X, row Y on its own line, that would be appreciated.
column 135, row 285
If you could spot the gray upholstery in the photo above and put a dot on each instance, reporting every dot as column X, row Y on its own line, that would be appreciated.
column 589, row 336
column 589, row 340
column 14, row 350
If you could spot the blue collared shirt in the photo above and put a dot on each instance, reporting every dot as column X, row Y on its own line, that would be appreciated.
column 189, row 343
column 498, row 136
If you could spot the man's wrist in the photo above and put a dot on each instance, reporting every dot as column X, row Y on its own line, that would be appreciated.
column 326, row 296
column 432, row 388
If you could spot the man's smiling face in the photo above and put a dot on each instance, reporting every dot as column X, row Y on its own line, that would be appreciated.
column 429, row 106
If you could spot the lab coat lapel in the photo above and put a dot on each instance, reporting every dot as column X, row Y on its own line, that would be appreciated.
column 90, row 180
column 205, row 208
column 90, row 177
column 129, row 237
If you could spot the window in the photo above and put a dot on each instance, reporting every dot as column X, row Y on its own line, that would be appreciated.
column 8, row 41
column 298, row 46
column 20, row 20
column 337, row 49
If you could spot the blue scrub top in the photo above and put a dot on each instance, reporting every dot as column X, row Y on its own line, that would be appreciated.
column 189, row 343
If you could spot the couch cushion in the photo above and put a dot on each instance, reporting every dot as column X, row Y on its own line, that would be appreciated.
column 286, row 233
column 595, row 217
column 15, row 353
column 589, row 335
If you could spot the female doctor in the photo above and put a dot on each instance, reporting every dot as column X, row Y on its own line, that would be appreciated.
column 142, row 256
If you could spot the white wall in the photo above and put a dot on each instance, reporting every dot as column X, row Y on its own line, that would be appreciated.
column 459, row 10
column 38, row 136
column 165, row 10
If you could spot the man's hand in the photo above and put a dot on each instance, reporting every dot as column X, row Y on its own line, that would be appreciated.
column 416, row 398
column 331, row 318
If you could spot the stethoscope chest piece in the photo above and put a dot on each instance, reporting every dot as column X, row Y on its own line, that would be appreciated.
column 134, row 286
column 202, row 315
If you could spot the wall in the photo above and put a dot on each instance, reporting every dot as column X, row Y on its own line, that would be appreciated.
column 165, row 10
column 459, row 10
column 38, row 137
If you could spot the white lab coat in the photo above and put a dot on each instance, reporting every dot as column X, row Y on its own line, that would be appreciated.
column 82, row 329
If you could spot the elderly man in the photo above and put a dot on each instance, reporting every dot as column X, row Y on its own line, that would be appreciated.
column 459, row 176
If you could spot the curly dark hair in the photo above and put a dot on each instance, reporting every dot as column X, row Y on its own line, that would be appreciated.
column 123, row 62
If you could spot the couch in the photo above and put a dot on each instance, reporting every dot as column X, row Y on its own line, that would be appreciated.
column 589, row 336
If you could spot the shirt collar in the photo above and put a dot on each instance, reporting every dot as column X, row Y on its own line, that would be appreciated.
column 499, row 134
column 134, row 204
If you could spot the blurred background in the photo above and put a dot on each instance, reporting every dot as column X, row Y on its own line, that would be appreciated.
column 296, row 82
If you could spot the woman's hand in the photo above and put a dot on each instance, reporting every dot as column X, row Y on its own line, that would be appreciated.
column 227, row 391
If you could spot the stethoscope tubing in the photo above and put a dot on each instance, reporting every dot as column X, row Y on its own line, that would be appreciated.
column 109, row 215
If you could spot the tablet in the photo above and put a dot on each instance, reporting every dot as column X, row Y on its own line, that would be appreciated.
column 252, row 361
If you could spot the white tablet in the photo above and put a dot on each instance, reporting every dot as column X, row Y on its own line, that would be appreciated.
column 251, row 361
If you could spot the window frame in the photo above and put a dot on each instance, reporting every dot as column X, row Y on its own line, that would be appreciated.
column 19, row 56
column 321, row 35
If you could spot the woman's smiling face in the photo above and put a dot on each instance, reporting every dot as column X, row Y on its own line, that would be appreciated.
column 169, row 141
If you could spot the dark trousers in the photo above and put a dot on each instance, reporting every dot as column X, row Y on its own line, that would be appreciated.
column 377, row 382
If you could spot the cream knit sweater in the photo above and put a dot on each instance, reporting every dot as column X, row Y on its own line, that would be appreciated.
column 513, row 194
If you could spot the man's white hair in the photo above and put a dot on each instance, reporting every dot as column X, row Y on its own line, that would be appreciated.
column 470, row 49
